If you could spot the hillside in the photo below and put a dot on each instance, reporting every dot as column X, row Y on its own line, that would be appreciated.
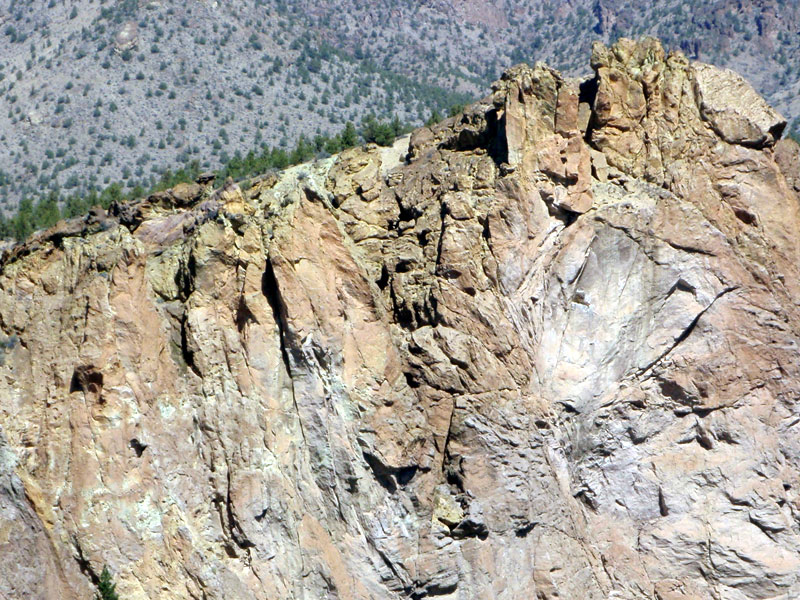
column 99, row 92
column 546, row 348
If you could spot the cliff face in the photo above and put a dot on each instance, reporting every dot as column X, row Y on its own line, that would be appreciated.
column 553, row 353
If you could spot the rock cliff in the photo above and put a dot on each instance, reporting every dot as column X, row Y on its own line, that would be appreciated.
column 545, row 349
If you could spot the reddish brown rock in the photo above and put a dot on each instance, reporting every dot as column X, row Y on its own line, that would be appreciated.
column 542, row 357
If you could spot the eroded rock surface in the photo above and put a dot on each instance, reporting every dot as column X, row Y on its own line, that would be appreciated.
column 553, row 353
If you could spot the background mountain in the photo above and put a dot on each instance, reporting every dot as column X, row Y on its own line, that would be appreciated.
column 95, row 92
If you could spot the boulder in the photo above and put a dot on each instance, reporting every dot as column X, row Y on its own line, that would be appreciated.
column 734, row 109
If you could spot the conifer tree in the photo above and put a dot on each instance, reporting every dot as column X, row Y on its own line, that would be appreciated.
column 106, row 588
column 349, row 136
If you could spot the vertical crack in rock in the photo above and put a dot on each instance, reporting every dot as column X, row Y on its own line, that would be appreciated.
column 229, row 523
column 234, row 528
column 498, row 145
column 587, row 93
column 186, row 352
column 83, row 563
column 185, row 276
column 271, row 291
column 451, row 470
column 662, row 503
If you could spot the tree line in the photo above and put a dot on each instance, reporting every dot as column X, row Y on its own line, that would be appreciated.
column 48, row 210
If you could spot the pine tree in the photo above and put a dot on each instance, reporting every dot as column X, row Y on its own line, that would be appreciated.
column 22, row 223
column 433, row 119
column 46, row 212
column 377, row 132
column 349, row 136
column 106, row 588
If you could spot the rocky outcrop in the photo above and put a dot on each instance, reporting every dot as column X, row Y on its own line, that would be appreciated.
column 126, row 38
column 733, row 108
column 546, row 349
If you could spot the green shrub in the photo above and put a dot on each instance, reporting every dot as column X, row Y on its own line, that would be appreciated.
column 378, row 132
column 106, row 588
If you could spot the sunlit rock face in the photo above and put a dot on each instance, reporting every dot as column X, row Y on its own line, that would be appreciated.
column 545, row 349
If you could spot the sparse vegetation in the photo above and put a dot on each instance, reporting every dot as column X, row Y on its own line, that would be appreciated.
column 47, row 211
column 382, row 133
column 106, row 588
column 264, row 74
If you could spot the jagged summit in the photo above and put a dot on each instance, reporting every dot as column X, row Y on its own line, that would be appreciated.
column 546, row 348
column 96, row 93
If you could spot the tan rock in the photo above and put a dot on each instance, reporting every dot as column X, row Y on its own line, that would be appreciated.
column 445, row 508
column 541, row 112
column 734, row 109
column 232, row 200
column 513, row 365
column 127, row 37
column 787, row 156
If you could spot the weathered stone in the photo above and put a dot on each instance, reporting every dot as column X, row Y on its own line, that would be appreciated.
column 182, row 195
column 232, row 201
column 787, row 156
column 445, row 507
column 734, row 109
column 206, row 178
column 542, row 132
column 518, row 364
column 127, row 37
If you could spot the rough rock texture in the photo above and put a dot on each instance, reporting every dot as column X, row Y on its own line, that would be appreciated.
column 734, row 109
column 551, row 353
